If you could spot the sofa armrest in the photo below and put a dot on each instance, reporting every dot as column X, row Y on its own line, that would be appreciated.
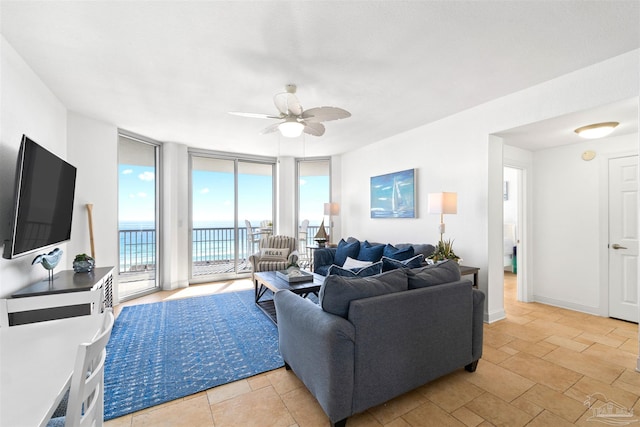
column 319, row 348
column 323, row 257
column 478, row 323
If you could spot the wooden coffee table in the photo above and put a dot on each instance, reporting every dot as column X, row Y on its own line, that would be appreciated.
column 268, row 280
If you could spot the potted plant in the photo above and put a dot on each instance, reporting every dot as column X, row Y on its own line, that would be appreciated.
column 83, row 263
column 444, row 251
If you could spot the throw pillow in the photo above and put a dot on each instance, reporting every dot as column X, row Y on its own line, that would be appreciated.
column 274, row 254
column 369, row 252
column 345, row 250
column 435, row 274
column 400, row 254
column 392, row 264
column 351, row 263
column 370, row 270
column 337, row 292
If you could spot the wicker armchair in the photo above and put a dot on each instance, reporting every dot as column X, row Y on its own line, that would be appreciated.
column 284, row 253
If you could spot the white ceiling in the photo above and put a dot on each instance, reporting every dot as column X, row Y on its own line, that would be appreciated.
column 171, row 70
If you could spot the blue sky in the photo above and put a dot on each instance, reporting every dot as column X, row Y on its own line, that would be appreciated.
column 213, row 196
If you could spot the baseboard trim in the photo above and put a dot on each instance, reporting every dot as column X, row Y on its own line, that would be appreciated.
column 568, row 305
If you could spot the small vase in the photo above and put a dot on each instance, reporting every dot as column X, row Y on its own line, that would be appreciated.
column 83, row 266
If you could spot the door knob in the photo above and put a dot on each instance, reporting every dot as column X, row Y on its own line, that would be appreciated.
column 617, row 246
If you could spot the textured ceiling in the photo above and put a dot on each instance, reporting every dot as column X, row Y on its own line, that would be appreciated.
column 172, row 70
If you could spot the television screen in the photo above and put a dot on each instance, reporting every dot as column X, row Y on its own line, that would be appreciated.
column 45, row 186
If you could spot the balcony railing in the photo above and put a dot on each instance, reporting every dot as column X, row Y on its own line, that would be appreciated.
column 213, row 250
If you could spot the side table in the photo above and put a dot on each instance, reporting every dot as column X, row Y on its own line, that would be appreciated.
column 466, row 270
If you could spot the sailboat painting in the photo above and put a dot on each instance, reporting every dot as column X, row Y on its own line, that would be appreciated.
column 393, row 195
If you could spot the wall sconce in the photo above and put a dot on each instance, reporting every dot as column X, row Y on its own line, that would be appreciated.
column 442, row 203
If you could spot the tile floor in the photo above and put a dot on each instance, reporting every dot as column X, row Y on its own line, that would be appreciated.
column 539, row 367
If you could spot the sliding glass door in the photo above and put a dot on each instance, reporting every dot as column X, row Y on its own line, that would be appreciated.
column 231, row 209
column 138, row 216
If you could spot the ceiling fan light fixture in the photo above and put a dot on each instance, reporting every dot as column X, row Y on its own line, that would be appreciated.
column 291, row 128
column 596, row 130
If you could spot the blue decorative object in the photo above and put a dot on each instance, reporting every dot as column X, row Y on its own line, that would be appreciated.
column 49, row 261
column 164, row 351
column 83, row 263
column 371, row 270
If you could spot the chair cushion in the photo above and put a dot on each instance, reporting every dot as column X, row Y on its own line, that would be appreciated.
column 346, row 249
column 392, row 264
column 369, row 252
column 369, row 270
column 274, row 254
column 434, row 274
column 337, row 292
column 399, row 254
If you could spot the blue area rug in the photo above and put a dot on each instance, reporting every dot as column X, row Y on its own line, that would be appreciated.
column 164, row 351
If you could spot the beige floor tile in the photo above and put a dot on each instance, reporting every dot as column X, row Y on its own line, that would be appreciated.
column 188, row 413
column 523, row 332
column 497, row 411
column 398, row 422
column 613, row 355
column 541, row 371
column 119, row 422
column 629, row 381
column 259, row 381
column 397, row 407
column 304, row 408
column 255, row 409
column 284, row 381
column 493, row 355
column 555, row 402
column 451, row 392
column 428, row 415
column 527, row 406
column 468, row 418
column 549, row 328
column 589, row 387
column 603, row 339
column 499, row 381
column 496, row 339
column 547, row 419
column 537, row 349
column 567, row 343
column 228, row 391
column 585, row 364
column 630, row 345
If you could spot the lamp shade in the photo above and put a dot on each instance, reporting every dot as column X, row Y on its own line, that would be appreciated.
column 290, row 128
column 332, row 209
column 443, row 203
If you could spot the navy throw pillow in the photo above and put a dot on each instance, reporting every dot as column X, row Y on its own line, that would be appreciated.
column 391, row 251
column 370, row 252
column 345, row 250
column 392, row 264
column 370, row 270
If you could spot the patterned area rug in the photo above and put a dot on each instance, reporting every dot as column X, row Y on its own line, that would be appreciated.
column 163, row 351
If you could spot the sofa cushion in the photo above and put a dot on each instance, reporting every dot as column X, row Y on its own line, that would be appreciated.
column 337, row 291
column 369, row 252
column 399, row 254
column 351, row 263
column 346, row 249
column 392, row 264
column 434, row 274
column 370, row 270
column 425, row 249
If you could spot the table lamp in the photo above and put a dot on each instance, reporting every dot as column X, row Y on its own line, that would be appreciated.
column 331, row 209
column 442, row 203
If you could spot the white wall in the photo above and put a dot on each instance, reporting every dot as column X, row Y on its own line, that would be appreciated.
column 27, row 107
column 457, row 154
column 567, row 199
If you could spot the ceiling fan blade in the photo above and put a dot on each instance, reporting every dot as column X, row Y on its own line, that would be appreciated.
column 287, row 103
column 316, row 129
column 270, row 129
column 255, row 115
column 324, row 114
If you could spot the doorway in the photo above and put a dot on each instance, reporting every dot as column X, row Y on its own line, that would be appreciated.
column 623, row 237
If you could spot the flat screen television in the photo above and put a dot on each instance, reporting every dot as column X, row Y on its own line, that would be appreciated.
column 44, row 193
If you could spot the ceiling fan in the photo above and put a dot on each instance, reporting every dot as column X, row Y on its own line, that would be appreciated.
column 294, row 119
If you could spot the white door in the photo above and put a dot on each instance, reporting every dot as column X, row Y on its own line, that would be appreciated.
column 623, row 238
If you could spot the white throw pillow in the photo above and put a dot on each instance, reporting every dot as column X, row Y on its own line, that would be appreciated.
column 274, row 254
column 351, row 263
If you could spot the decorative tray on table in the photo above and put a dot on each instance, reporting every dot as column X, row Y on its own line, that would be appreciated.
column 294, row 276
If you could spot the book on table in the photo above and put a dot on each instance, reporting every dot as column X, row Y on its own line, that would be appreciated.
column 294, row 276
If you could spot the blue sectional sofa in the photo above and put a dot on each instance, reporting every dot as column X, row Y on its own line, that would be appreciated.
column 371, row 339
column 353, row 248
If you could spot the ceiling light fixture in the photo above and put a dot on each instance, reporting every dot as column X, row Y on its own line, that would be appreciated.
column 291, row 127
column 597, row 130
